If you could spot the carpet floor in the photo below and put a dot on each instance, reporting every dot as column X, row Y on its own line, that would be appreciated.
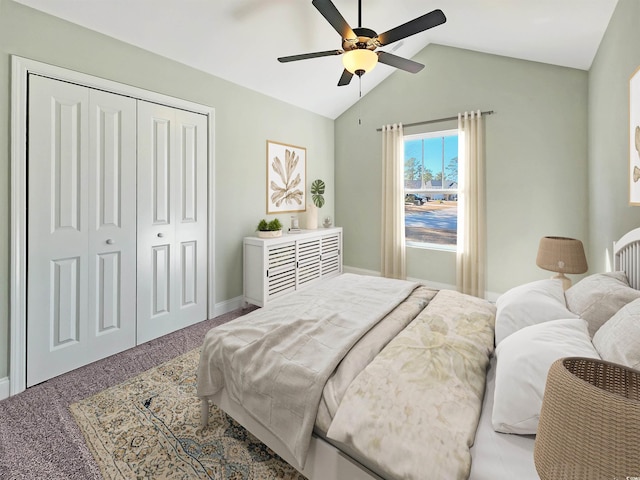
column 39, row 438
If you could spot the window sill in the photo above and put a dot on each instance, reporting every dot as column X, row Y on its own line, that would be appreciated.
column 432, row 246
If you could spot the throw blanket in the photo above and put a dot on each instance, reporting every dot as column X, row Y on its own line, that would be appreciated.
column 365, row 351
column 275, row 361
column 433, row 375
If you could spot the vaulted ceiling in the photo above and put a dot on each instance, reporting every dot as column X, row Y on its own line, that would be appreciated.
column 240, row 40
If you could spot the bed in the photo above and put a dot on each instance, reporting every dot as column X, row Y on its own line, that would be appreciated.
column 372, row 378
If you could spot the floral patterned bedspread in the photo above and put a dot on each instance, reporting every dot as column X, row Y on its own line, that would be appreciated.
column 423, row 393
column 276, row 360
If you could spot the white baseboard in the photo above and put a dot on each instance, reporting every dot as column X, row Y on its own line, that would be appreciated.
column 373, row 273
column 360, row 271
column 4, row 388
column 227, row 306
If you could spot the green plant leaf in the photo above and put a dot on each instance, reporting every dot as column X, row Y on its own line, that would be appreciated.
column 317, row 190
column 317, row 187
column 318, row 200
column 274, row 225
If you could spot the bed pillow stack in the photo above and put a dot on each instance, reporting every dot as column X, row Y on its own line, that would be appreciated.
column 530, row 304
column 534, row 328
column 598, row 297
column 618, row 340
column 612, row 310
column 524, row 359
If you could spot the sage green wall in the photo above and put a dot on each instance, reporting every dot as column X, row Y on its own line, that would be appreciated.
column 244, row 121
column 536, row 156
column 610, row 214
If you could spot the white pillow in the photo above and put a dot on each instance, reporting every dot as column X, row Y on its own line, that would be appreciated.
column 530, row 304
column 524, row 359
column 618, row 340
column 598, row 297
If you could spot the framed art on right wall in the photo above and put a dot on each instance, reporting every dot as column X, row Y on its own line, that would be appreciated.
column 634, row 138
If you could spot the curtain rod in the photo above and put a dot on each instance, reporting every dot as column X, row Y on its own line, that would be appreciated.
column 437, row 120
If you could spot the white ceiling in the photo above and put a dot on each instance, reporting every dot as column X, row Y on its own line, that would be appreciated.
column 239, row 40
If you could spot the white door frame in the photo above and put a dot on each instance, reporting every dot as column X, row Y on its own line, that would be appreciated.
column 21, row 68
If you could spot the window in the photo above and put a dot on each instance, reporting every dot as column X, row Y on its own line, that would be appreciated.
column 431, row 189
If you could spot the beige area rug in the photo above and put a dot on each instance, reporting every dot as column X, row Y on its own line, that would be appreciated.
column 149, row 427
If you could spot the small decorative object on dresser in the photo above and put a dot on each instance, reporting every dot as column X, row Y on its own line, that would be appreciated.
column 270, row 229
column 295, row 225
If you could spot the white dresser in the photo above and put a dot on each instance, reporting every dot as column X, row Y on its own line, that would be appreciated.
column 278, row 266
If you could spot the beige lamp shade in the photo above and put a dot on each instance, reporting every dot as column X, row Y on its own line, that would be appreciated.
column 359, row 60
column 562, row 255
column 590, row 422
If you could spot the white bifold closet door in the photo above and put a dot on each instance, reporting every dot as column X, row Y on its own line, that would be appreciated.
column 81, row 278
column 172, row 219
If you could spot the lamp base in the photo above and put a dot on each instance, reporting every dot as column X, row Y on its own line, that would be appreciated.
column 566, row 281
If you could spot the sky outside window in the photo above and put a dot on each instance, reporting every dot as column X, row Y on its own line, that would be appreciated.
column 432, row 152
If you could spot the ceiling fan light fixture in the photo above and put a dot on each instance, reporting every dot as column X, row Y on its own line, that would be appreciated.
column 359, row 60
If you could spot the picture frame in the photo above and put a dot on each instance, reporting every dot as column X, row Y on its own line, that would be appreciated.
column 634, row 138
column 286, row 178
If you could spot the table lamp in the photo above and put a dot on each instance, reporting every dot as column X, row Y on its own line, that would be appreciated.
column 562, row 255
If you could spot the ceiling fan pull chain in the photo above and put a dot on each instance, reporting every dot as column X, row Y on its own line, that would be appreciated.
column 359, row 97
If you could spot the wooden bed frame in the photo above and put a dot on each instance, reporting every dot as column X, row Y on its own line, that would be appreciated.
column 626, row 256
column 327, row 462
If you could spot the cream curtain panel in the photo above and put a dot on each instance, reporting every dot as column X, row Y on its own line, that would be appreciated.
column 393, row 251
column 471, row 250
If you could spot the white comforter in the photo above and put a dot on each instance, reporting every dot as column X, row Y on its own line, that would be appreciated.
column 277, row 370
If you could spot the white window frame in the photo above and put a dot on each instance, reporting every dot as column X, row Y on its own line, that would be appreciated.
column 439, row 191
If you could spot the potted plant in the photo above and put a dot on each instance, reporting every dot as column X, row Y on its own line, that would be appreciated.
column 317, row 195
column 317, row 192
column 270, row 229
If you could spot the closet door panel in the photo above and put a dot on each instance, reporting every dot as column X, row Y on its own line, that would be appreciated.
column 81, row 173
column 58, row 211
column 172, row 220
column 155, row 270
column 191, row 232
column 112, row 237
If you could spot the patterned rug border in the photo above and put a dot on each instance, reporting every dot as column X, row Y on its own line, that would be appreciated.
column 149, row 427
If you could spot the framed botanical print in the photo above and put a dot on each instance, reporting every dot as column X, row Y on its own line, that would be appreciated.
column 634, row 138
column 286, row 178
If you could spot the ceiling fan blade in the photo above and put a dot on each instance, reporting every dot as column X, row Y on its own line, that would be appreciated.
column 304, row 56
column 345, row 79
column 417, row 25
column 334, row 17
column 399, row 62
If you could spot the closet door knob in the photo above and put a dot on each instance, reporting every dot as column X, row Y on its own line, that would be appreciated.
column 160, row 235
column 110, row 241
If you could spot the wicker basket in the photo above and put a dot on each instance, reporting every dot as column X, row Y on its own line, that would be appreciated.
column 590, row 421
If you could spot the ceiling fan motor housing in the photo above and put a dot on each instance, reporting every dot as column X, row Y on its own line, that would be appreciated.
column 363, row 40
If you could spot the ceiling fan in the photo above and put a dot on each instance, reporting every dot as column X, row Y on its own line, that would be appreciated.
column 358, row 44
